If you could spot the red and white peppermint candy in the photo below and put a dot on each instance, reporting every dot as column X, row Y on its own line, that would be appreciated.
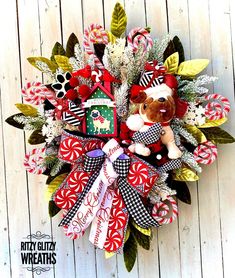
column 166, row 211
column 138, row 174
column 149, row 184
column 33, row 161
column 205, row 153
column 139, row 36
column 94, row 34
column 91, row 145
column 96, row 75
column 65, row 198
column 117, row 219
column 113, row 241
column 36, row 93
column 71, row 235
column 77, row 180
column 70, row 149
column 117, row 199
column 218, row 108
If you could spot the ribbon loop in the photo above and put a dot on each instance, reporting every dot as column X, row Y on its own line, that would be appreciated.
column 122, row 165
column 93, row 160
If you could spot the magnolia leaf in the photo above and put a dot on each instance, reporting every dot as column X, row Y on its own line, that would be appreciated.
column 183, row 193
column 72, row 40
column 63, row 63
column 213, row 123
column 27, row 109
column 142, row 240
column 185, row 174
column 218, row 135
column 119, row 21
column 52, row 186
column 99, row 50
column 148, row 29
column 146, row 232
column 197, row 133
column 172, row 63
column 10, row 120
column 52, row 66
column 130, row 252
column 170, row 49
column 111, row 37
column 36, row 137
column 52, row 208
column 108, row 255
column 127, row 234
column 58, row 49
column 179, row 48
column 192, row 67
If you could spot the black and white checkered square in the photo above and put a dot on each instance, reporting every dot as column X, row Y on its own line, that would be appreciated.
column 91, row 163
column 150, row 136
column 135, row 206
column 71, row 213
column 170, row 165
column 121, row 166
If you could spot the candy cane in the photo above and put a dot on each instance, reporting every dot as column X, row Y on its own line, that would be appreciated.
column 33, row 161
column 94, row 34
column 139, row 36
column 205, row 153
column 214, row 110
column 36, row 93
column 162, row 209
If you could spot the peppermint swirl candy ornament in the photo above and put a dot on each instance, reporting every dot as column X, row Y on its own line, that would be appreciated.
column 139, row 36
column 165, row 212
column 138, row 174
column 113, row 241
column 33, row 161
column 117, row 219
column 205, row 153
column 218, row 108
column 77, row 180
column 36, row 93
column 65, row 198
column 94, row 34
column 70, row 149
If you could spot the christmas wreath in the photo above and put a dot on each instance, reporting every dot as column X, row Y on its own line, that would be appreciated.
column 125, row 122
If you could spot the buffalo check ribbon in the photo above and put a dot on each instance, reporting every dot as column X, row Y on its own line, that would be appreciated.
column 108, row 165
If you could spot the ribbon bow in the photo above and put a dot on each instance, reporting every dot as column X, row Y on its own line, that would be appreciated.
column 109, row 169
column 157, row 69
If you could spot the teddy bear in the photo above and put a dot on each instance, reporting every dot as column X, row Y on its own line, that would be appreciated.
column 156, row 105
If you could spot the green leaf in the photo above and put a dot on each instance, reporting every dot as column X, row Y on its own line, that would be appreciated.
column 192, row 67
column 52, row 66
column 112, row 38
column 213, row 123
column 52, row 186
column 119, row 21
column 142, row 239
column 179, row 48
column 72, row 40
column 36, row 137
column 183, row 193
column 146, row 232
column 63, row 63
column 52, row 208
column 172, row 63
column 130, row 252
column 197, row 133
column 218, row 135
column 148, row 29
column 58, row 49
column 10, row 120
column 27, row 109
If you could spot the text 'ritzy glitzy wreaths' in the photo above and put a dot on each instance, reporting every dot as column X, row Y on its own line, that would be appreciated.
column 125, row 123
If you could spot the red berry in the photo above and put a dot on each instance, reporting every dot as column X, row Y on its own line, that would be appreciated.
column 73, row 81
column 84, row 90
column 71, row 94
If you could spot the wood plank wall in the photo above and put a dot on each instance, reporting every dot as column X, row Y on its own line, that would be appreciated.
column 201, row 242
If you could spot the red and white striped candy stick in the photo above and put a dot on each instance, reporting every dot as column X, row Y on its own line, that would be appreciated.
column 205, row 153
column 139, row 36
column 36, row 93
column 166, row 211
column 33, row 161
column 214, row 110
column 94, row 34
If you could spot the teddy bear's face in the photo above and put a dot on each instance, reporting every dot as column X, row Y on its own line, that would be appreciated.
column 155, row 110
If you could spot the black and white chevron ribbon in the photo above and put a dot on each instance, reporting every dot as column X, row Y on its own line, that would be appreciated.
column 70, row 119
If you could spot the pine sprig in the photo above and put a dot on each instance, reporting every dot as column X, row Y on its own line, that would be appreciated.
column 30, row 123
column 56, row 167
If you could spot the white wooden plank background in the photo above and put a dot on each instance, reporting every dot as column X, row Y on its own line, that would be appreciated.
column 201, row 242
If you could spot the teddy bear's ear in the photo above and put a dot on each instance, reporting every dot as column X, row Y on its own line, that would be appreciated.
column 138, row 95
